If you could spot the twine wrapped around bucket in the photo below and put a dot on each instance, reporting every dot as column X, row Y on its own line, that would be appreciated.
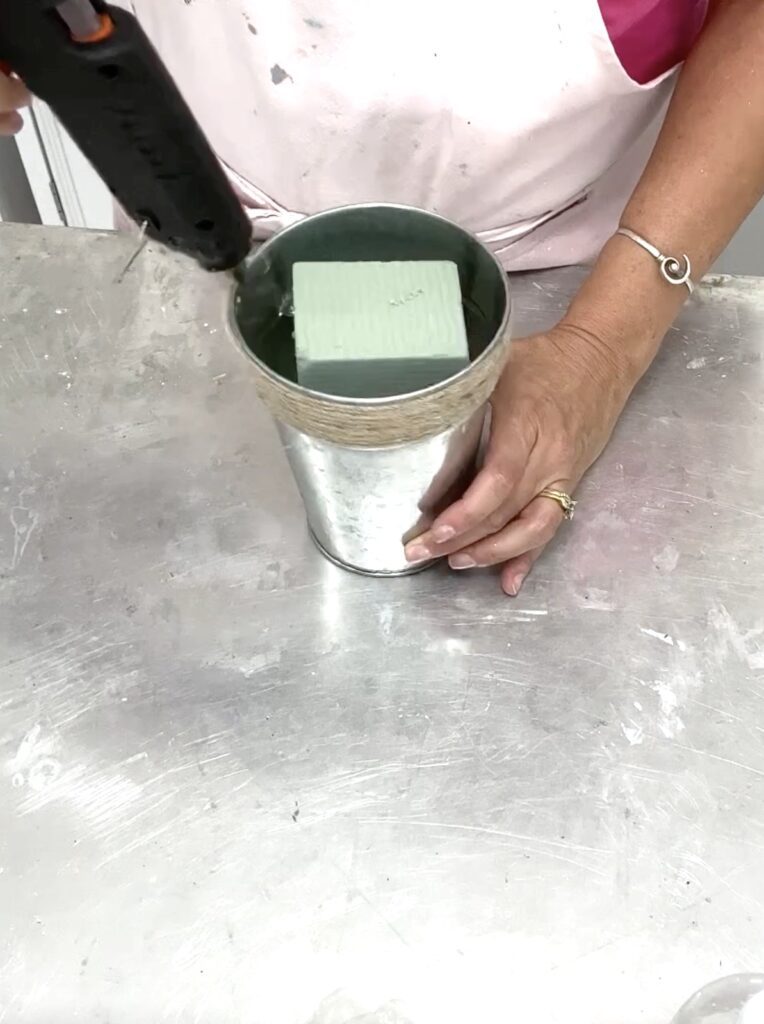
column 355, row 423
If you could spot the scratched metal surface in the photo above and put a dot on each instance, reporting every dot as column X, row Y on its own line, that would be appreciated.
column 240, row 785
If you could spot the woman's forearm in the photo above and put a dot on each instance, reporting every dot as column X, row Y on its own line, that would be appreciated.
column 704, row 176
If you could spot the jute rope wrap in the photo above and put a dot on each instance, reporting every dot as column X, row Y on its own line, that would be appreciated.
column 354, row 423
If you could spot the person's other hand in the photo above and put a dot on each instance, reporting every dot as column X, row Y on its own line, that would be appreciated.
column 13, row 95
column 552, row 414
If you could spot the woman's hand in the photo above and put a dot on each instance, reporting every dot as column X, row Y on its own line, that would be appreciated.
column 552, row 414
column 13, row 96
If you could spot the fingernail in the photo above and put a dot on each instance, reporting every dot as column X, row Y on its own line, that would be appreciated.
column 514, row 585
column 416, row 553
column 443, row 533
column 462, row 562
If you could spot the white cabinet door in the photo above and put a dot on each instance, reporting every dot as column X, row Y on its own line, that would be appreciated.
column 66, row 188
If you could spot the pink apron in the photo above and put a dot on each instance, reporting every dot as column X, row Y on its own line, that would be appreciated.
column 527, row 122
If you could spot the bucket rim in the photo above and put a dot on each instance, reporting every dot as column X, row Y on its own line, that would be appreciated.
column 389, row 401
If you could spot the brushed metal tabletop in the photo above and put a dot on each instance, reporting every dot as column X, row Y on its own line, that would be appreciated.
column 238, row 784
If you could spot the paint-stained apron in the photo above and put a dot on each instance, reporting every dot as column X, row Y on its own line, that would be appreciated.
column 526, row 121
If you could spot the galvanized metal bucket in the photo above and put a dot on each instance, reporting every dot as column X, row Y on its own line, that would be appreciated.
column 373, row 473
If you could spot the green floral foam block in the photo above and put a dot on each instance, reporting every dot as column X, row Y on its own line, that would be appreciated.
column 371, row 330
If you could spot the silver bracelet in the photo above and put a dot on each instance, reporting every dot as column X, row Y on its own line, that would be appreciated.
column 669, row 266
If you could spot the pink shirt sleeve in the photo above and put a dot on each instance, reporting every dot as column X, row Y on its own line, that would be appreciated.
column 652, row 36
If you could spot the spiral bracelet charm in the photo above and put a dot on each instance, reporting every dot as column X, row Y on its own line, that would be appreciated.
column 673, row 270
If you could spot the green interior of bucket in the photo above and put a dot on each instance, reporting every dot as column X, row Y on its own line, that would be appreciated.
column 263, row 304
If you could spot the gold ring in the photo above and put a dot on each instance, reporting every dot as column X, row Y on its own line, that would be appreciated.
column 566, row 503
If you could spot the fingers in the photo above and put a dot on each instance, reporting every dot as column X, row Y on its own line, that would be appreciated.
column 482, row 499
column 486, row 527
column 484, row 509
column 504, row 468
column 533, row 528
column 514, row 572
column 13, row 94
column 492, row 498
column 10, row 123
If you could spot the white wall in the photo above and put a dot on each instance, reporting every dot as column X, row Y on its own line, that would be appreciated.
column 64, row 187
column 745, row 253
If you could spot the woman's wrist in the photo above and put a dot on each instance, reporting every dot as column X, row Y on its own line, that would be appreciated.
column 625, row 307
